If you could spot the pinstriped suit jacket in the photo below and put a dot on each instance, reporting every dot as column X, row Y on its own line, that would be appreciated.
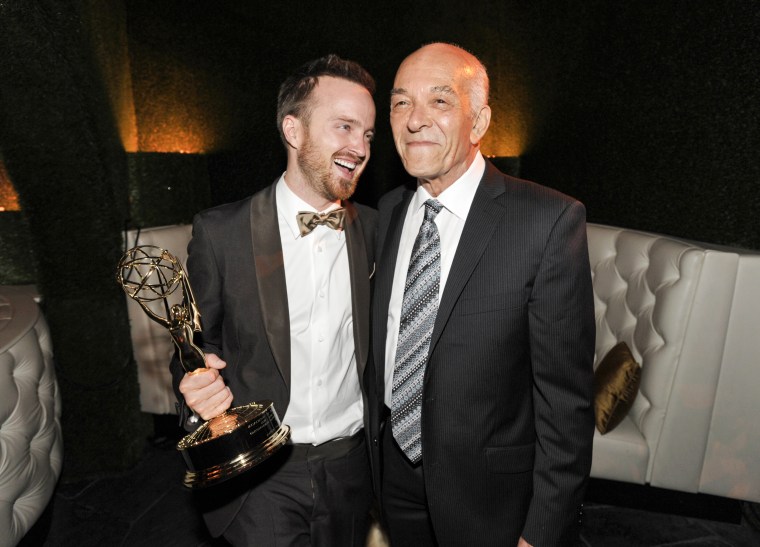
column 507, row 417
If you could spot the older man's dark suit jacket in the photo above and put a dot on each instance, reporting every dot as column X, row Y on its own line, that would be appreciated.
column 507, row 416
column 235, row 267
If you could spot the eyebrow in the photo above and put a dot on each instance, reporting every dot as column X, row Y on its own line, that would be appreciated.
column 352, row 121
column 443, row 89
column 347, row 120
column 447, row 89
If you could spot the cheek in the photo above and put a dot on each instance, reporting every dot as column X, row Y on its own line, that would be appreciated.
column 397, row 141
column 457, row 144
column 397, row 126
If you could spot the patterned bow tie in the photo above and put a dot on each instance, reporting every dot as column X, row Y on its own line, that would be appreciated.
column 307, row 221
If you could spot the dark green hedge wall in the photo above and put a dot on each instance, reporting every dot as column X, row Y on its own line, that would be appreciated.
column 166, row 188
column 18, row 265
column 62, row 154
column 659, row 127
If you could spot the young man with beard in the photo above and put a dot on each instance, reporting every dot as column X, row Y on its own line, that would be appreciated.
column 281, row 280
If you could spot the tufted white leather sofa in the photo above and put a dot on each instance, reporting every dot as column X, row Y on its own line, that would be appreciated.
column 690, row 313
column 31, row 445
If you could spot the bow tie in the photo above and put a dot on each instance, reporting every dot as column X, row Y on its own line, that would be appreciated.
column 307, row 221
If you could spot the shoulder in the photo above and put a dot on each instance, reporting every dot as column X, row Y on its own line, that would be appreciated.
column 365, row 212
column 519, row 193
column 367, row 218
column 216, row 224
column 224, row 213
column 392, row 198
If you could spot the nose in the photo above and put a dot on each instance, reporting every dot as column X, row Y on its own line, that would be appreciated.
column 418, row 119
column 359, row 145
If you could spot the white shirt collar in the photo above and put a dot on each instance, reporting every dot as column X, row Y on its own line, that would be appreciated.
column 289, row 205
column 458, row 197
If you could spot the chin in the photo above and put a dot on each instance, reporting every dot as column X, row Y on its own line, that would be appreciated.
column 417, row 173
column 416, row 168
column 344, row 189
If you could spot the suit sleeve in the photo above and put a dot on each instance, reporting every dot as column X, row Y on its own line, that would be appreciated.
column 562, row 335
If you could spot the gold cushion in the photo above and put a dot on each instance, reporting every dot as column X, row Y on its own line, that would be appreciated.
column 616, row 384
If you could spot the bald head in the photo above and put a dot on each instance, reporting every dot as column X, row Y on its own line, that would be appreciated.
column 463, row 64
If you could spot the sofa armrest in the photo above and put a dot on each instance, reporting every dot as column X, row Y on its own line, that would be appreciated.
column 31, row 445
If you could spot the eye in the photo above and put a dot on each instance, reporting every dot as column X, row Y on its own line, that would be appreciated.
column 369, row 137
column 399, row 103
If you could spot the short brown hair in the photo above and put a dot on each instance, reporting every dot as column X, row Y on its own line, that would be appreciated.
column 293, row 98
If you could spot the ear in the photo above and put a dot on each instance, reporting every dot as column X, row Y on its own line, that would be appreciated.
column 291, row 128
column 480, row 124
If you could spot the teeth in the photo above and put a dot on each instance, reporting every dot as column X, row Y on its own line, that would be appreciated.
column 347, row 164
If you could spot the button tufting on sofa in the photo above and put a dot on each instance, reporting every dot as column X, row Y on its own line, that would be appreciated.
column 680, row 306
column 31, row 446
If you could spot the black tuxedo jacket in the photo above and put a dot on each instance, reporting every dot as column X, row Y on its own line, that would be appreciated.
column 235, row 268
column 507, row 415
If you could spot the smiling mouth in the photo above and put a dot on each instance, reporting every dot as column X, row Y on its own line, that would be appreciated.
column 420, row 143
column 346, row 165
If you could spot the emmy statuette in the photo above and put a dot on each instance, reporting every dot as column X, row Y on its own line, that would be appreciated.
column 239, row 438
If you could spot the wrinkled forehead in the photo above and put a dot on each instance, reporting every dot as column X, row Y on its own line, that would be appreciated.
column 437, row 66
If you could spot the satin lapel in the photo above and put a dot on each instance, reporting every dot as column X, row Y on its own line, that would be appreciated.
column 357, row 265
column 384, row 281
column 485, row 213
column 270, row 277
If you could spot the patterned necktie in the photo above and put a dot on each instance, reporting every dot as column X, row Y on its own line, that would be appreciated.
column 307, row 220
column 418, row 310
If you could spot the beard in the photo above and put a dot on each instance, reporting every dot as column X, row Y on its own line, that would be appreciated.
column 320, row 174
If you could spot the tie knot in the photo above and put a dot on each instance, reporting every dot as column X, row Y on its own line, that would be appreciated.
column 432, row 208
column 308, row 220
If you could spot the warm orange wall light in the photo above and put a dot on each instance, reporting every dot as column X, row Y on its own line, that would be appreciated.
column 502, row 142
column 159, row 104
column 508, row 134
column 179, row 130
column 179, row 107
column 8, row 195
column 180, row 113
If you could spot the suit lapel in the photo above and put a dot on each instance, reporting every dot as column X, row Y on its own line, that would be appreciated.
column 270, row 277
column 359, row 274
column 481, row 222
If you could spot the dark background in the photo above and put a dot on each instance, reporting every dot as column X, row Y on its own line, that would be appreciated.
column 136, row 113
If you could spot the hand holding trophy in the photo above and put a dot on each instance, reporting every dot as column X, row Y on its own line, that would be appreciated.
column 239, row 438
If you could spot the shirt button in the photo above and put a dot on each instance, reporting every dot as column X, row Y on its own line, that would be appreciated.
column 319, row 382
column 320, row 338
column 321, row 294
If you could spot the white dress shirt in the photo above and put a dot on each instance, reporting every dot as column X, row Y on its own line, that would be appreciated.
column 325, row 398
column 456, row 201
